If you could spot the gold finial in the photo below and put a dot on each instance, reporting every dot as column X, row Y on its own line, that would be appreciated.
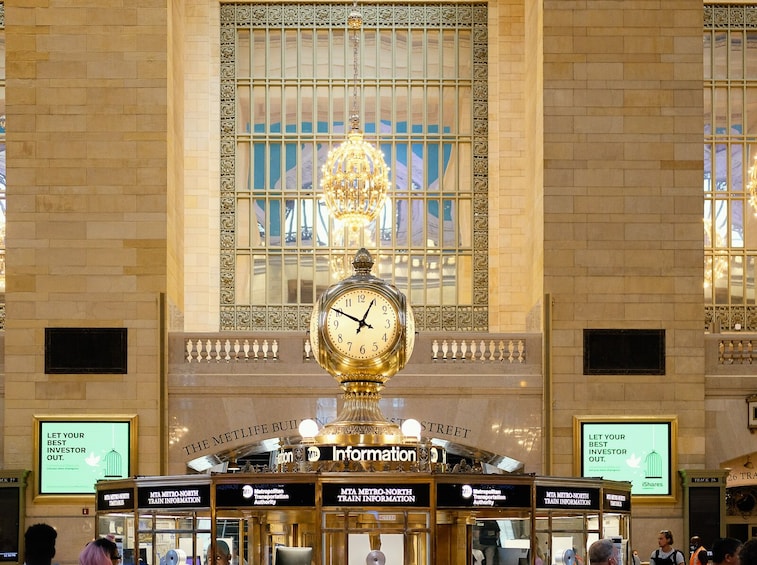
column 363, row 262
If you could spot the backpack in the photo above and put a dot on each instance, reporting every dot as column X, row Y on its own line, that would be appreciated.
column 669, row 560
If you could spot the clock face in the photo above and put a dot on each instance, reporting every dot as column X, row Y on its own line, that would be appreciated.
column 362, row 324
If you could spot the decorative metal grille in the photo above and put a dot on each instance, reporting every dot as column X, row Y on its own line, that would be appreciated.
column 292, row 312
column 730, row 137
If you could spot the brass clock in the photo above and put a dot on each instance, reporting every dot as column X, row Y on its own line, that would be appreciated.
column 362, row 327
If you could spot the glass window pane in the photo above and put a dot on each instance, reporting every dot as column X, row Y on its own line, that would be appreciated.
column 736, row 66
column 720, row 55
column 242, row 278
column 749, row 269
column 721, row 111
column 737, row 111
column 259, row 52
column 243, row 53
column 243, row 178
column 750, row 55
column 737, row 168
column 243, row 222
column 737, row 281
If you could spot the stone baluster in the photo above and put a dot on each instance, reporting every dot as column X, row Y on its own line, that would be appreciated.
column 306, row 348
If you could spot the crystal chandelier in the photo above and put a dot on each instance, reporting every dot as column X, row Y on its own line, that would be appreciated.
column 355, row 178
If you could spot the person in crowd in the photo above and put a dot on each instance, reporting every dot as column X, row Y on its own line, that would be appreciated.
column 696, row 547
column 539, row 557
column 39, row 543
column 635, row 557
column 603, row 552
column 748, row 553
column 725, row 551
column 223, row 554
column 666, row 554
column 486, row 539
column 235, row 556
column 109, row 546
column 102, row 551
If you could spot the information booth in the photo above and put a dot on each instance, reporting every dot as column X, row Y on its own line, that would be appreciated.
column 350, row 518
column 362, row 490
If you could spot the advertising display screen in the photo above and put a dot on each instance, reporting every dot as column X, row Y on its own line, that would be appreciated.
column 641, row 451
column 72, row 454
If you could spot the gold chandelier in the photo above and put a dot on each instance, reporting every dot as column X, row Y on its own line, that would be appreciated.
column 355, row 178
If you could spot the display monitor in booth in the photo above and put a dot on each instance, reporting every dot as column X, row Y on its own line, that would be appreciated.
column 293, row 555
column 513, row 555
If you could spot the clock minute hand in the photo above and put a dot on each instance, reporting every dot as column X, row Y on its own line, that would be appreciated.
column 362, row 322
column 350, row 316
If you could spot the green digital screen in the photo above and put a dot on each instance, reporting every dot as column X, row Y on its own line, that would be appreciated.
column 637, row 452
column 74, row 455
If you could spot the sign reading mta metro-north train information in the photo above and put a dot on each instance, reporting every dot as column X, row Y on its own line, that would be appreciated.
column 381, row 494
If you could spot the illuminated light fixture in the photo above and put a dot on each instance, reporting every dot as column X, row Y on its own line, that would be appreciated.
column 752, row 185
column 716, row 265
column 308, row 429
column 355, row 178
column 411, row 429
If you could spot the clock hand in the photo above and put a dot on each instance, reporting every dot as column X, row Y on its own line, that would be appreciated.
column 362, row 322
column 350, row 316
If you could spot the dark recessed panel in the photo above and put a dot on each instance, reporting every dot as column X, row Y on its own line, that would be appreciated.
column 85, row 350
column 624, row 352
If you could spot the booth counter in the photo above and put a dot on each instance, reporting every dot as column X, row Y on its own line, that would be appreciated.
column 359, row 518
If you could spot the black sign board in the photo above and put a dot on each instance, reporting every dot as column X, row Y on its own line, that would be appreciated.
column 567, row 498
column 617, row 500
column 10, row 502
column 376, row 494
column 708, row 480
column 115, row 499
column 179, row 496
column 267, row 495
column 467, row 495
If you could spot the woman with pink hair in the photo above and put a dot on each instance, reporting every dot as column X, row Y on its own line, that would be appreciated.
column 100, row 552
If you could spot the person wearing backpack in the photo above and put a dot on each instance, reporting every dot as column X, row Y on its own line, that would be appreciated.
column 666, row 554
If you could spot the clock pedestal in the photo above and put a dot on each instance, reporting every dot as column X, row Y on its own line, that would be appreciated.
column 361, row 422
column 362, row 333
